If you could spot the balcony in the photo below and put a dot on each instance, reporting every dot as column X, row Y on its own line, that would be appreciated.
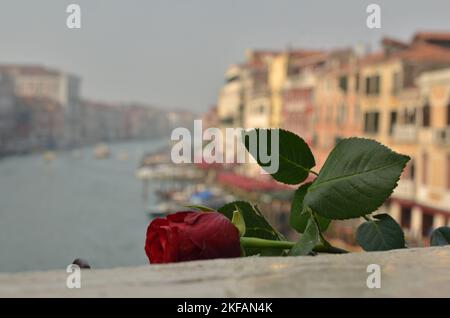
column 441, row 136
column 433, row 196
column 405, row 133
column 406, row 190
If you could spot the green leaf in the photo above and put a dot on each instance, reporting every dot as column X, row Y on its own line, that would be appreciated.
column 440, row 236
column 322, row 222
column 308, row 240
column 201, row 208
column 381, row 234
column 300, row 214
column 255, row 226
column 294, row 156
column 357, row 177
column 238, row 221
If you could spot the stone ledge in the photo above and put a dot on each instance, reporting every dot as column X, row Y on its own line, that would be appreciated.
column 420, row 272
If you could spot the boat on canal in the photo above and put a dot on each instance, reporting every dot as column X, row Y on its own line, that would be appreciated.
column 102, row 151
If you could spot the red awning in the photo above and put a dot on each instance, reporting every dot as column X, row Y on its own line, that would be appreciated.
column 250, row 184
column 205, row 166
column 214, row 165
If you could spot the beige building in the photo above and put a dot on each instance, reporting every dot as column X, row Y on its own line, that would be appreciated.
column 34, row 81
column 7, row 114
column 434, row 140
column 336, row 102
column 283, row 68
column 244, row 100
column 40, row 82
column 299, row 96
column 396, row 105
column 399, row 96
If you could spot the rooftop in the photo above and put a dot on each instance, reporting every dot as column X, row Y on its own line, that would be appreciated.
column 431, row 36
column 28, row 69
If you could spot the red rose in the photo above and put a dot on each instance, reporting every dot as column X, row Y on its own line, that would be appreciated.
column 188, row 235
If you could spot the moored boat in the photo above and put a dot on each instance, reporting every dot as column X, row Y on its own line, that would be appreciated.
column 102, row 151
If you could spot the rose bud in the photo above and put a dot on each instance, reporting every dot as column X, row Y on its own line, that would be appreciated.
column 188, row 235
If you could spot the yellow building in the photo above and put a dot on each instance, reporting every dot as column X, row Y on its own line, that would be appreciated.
column 244, row 100
column 257, row 105
column 434, row 140
column 399, row 96
column 229, row 105
column 280, row 69
column 395, row 109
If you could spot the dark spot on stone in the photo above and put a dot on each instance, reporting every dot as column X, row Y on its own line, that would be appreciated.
column 82, row 263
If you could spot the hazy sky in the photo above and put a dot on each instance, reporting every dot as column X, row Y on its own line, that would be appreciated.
column 174, row 53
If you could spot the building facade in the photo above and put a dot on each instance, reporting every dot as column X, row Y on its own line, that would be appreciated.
column 422, row 201
column 336, row 104
column 7, row 114
column 299, row 93
column 41, row 83
column 399, row 96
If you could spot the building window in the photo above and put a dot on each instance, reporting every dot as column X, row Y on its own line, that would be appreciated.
column 426, row 115
column 405, row 219
column 410, row 116
column 409, row 75
column 357, row 82
column 377, row 84
column 282, row 219
column 392, row 122
column 371, row 121
column 448, row 171
column 396, row 84
column 412, row 170
column 409, row 172
column 427, row 224
column 367, row 85
column 232, row 79
column 343, row 83
column 424, row 168
column 373, row 84
column 448, row 114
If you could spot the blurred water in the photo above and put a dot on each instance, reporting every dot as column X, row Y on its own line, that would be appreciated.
column 75, row 206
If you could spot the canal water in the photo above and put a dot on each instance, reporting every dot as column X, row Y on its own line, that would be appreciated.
column 75, row 206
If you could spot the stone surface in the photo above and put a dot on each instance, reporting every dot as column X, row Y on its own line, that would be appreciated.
column 421, row 272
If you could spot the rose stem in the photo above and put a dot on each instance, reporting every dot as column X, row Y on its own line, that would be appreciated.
column 262, row 243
